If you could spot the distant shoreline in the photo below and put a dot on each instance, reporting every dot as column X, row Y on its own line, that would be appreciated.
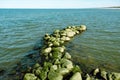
column 113, row 7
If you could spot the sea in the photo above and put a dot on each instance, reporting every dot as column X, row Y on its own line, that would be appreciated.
column 22, row 31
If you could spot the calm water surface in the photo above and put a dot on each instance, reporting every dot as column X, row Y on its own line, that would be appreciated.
column 99, row 46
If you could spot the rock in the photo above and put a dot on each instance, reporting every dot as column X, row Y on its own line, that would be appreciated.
column 114, row 76
column 67, row 55
column 67, row 64
column 103, row 74
column 76, row 76
column 57, row 35
column 56, row 44
column 50, row 44
column 43, row 75
column 88, row 77
column 36, row 66
column 52, row 75
column 29, row 76
column 47, row 50
column 97, row 70
column 38, row 71
column 64, row 38
column 63, row 71
column 70, row 33
column 54, row 67
column 52, row 39
column 61, row 42
column 76, row 68
column 58, row 49
column 57, row 31
column 56, row 55
column 57, row 62
column 83, row 27
column 47, row 36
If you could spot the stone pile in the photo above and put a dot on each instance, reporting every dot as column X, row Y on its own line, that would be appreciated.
column 56, row 61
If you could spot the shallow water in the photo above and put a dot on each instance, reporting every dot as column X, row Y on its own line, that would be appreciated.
column 20, row 30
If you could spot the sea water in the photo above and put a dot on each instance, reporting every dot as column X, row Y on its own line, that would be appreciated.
column 22, row 29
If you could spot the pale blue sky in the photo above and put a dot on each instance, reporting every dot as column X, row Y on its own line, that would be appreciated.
column 58, row 3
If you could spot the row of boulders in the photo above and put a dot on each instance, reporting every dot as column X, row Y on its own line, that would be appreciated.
column 99, row 74
column 56, row 62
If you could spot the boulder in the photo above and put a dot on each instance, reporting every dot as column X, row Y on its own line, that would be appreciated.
column 67, row 64
column 97, row 70
column 64, row 38
column 47, row 50
column 54, row 67
column 70, row 33
column 114, row 76
column 103, row 74
column 76, row 76
column 88, row 77
column 56, row 55
column 67, row 55
column 52, row 75
column 58, row 49
column 56, row 43
column 63, row 71
column 36, row 66
column 83, row 27
column 29, row 76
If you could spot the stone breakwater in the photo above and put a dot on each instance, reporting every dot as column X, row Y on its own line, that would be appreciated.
column 56, row 61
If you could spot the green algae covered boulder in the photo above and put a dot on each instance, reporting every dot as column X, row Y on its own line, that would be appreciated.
column 66, row 64
column 114, row 76
column 56, row 55
column 63, row 71
column 52, row 75
column 76, row 76
column 67, row 55
column 29, row 76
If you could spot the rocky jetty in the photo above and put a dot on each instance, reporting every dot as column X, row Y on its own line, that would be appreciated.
column 56, row 61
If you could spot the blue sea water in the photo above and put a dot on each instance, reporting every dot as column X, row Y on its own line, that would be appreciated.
column 99, row 46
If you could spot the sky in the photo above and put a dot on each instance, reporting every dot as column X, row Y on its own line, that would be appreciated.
column 58, row 3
